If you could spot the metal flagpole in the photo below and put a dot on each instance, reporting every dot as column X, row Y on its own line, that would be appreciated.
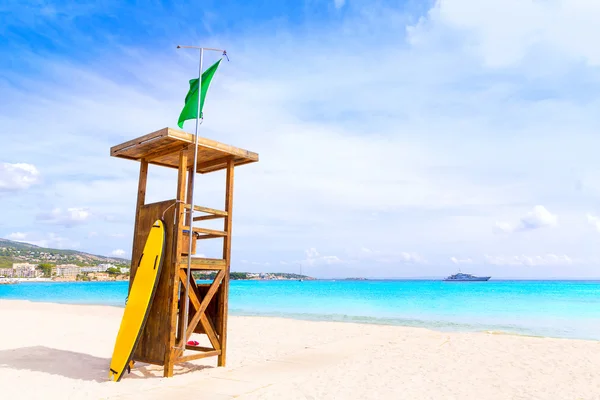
column 191, row 190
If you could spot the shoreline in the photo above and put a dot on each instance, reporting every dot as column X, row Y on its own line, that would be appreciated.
column 450, row 327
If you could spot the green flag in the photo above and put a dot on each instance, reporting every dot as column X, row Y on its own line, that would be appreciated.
column 190, row 108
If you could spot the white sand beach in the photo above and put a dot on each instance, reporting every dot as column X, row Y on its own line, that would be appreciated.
column 52, row 351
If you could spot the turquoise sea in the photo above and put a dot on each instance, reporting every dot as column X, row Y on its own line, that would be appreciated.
column 568, row 309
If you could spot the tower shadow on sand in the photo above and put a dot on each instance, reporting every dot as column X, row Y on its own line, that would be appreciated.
column 75, row 365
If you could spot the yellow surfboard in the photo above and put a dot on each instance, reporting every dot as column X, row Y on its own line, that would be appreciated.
column 139, row 301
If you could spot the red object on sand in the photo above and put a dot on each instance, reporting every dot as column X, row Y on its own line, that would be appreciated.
column 193, row 343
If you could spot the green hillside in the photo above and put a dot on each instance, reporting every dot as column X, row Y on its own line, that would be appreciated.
column 19, row 252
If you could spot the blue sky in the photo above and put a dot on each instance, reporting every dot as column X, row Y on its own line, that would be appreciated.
column 396, row 139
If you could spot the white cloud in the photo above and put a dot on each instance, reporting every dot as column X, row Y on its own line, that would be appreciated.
column 311, row 253
column 117, row 235
column 459, row 261
column 339, row 3
column 17, row 176
column 69, row 217
column 593, row 220
column 525, row 260
column 505, row 32
column 255, row 262
column 17, row 236
column 539, row 217
column 411, row 257
column 399, row 258
column 503, row 227
column 371, row 256
column 118, row 253
column 48, row 240
column 314, row 258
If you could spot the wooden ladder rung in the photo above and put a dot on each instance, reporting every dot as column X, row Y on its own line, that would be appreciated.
column 204, row 263
column 198, row 356
column 208, row 210
column 207, row 217
column 201, row 237
column 198, row 348
column 211, row 232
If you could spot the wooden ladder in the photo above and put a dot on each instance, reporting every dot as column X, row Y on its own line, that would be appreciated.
column 216, row 332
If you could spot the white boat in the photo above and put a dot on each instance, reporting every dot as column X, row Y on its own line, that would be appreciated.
column 460, row 277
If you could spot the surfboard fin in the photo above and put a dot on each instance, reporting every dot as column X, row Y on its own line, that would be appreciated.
column 129, row 366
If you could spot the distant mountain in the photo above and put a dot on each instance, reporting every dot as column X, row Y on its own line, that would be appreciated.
column 15, row 252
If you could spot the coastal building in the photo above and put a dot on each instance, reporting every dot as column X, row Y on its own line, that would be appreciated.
column 25, row 270
column 6, row 272
column 97, row 268
column 99, row 276
column 67, row 270
column 24, row 266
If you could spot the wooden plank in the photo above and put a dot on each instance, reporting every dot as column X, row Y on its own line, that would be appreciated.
column 212, row 144
column 237, row 161
column 201, row 267
column 138, row 141
column 211, row 163
column 202, row 237
column 153, row 343
column 203, row 154
column 209, row 328
column 182, row 193
column 208, row 261
column 198, row 356
column 198, row 348
column 188, row 200
column 200, row 316
column 170, row 355
column 200, row 312
column 148, row 361
column 207, row 217
column 193, row 297
column 188, row 215
column 212, row 232
column 141, row 200
column 170, row 148
column 153, row 162
column 156, row 147
column 169, row 161
column 207, row 210
column 224, row 292
column 203, row 263
column 213, row 307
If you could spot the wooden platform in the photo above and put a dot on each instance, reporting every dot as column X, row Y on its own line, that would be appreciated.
column 162, row 148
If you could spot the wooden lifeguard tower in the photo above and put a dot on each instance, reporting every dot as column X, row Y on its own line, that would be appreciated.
column 163, row 341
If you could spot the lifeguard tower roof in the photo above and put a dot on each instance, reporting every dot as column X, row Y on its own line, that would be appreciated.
column 162, row 148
